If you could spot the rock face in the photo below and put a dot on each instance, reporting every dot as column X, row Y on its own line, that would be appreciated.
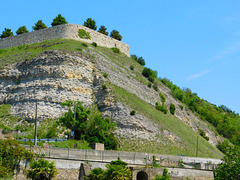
column 55, row 76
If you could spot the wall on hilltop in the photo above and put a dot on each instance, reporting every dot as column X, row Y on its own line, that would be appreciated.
column 67, row 31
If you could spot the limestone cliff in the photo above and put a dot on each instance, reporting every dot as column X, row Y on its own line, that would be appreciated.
column 55, row 76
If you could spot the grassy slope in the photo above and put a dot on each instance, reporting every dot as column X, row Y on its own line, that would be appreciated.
column 169, row 122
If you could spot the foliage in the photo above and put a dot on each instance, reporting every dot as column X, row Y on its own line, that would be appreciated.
column 42, row 170
column 163, row 99
column 226, row 121
column 104, row 86
column 150, row 74
column 230, row 167
column 140, row 60
column 131, row 67
column 102, row 30
column 105, row 75
column 115, row 170
column 172, row 108
column 11, row 153
column 165, row 175
column 155, row 164
column 94, row 44
column 161, row 108
column 39, row 25
column 133, row 112
column 116, row 50
column 59, row 20
column 22, row 30
column 203, row 134
column 95, row 130
column 84, row 45
column 149, row 84
column 116, row 35
column 224, row 146
column 84, row 34
column 6, row 33
column 90, row 23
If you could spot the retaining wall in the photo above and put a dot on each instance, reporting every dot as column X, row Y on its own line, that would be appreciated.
column 66, row 31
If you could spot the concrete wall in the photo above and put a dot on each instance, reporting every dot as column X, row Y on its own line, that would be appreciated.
column 67, row 31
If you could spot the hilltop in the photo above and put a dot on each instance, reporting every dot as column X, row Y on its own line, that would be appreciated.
column 54, row 71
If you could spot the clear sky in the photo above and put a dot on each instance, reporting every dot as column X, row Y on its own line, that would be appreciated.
column 195, row 44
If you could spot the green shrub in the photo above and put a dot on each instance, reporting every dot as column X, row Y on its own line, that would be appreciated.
column 161, row 108
column 42, row 170
column 39, row 25
column 22, row 30
column 181, row 107
column 150, row 74
column 203, row 134
column 102, row 30
column 132, row 67
column 105, row 75
column 133, row 112
column 6, row 33
column 94, row 44
column 6, row 130
column 59, row 20
column 84, row 34
column 149, row 84
column 90, row 23
column 163, row 99
column 104, row 86
column 139, row 60
column 172, row 108
column 155, row 87
column 116, row 50
column 84, row 45
column 116, row 35
column 224, row 146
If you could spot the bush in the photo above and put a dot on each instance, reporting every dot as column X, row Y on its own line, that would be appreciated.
column 150, row 74
column 133, row 112
column 39, row 25
column 132, row 67
column 149, row 84
column 161, row 108
column 224, row 146
column 203, row 134
column 104, row 86
column 6, row 33
column 102, row 30
column 115, row 34
column 139, row 60
column 181, row 107
column 116, row 50
column 42, row 170
column 59, row 20
column 90, row 23
column 84, row 45
column 172, row 108
column 84, row 34
column 155, row 87
column 6, row 130
column 105, row 75
column 22, row 30
column 94, row 44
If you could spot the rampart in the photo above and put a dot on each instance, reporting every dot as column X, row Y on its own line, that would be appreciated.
column 65, row 31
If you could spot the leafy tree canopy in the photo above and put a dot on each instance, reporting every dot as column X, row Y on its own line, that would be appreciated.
column 116, row 35
column 140, row 60
column 102, row 30
column 230, row 168
column 11, row 153
column 42, row 170
column 39, row 25
column 90, row 23
column 59, row 20
column 22, row 30
column 6, row 33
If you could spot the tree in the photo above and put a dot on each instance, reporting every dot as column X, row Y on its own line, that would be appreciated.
column 6, row 33
column 59, row 20
column 42, row 170
column 11, row 153
column 230, row 167
column 115, row 34
column 102, row 30
column 90, row 23
column 22, row 30
column 39, row 25
column 172, row 108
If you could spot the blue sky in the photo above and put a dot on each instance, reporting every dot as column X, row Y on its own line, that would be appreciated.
column 195, row 44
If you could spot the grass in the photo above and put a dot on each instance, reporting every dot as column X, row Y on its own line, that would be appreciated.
column 165, row 121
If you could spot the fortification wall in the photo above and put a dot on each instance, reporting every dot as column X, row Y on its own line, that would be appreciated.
column 66, row 31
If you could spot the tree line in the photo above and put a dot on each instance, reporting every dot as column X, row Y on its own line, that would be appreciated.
column 90, row 23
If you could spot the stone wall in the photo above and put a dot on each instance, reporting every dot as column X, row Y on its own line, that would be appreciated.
column 66, row 31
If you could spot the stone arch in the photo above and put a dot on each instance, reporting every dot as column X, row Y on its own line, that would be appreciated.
column 142, row 175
